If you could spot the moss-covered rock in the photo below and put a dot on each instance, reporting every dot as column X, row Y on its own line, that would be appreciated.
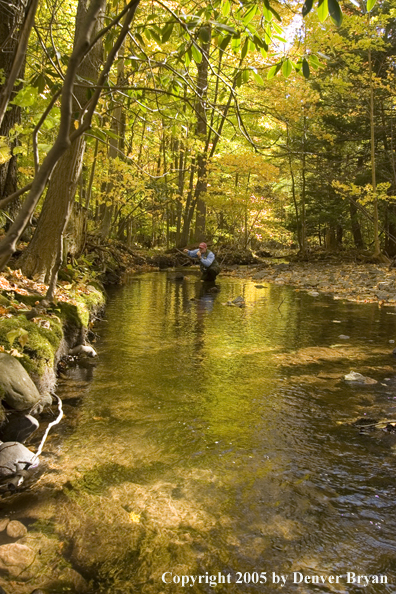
column 38, row 347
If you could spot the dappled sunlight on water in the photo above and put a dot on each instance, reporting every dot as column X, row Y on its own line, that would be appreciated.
column 217, row 438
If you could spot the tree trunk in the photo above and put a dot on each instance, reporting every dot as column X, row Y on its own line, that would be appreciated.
column 40, row 259
column 355, row 226
column 11, row 19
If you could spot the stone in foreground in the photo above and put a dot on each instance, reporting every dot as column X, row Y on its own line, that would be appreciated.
column 13, row 458
column 16, row 387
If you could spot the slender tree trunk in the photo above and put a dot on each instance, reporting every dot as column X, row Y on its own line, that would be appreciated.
column 355, row 226
column 377, row 249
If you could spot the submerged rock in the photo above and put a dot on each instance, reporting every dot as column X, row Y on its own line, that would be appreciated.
column 16, row 529
column 358, row 378
column 16, row 387
column 238, row 300
column 15, row 559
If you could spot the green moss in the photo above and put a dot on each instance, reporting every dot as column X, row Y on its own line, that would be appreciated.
column 4, row 301
column 42, row 344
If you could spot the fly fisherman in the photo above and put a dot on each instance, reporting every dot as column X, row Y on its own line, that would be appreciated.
column 207, row 263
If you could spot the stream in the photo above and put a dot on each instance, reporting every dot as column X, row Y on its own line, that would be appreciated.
column 215, row 439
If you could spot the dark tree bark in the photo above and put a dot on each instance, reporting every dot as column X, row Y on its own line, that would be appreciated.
column 13, row 15
column 355, row 226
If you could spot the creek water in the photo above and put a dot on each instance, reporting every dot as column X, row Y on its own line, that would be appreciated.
column 221, row 439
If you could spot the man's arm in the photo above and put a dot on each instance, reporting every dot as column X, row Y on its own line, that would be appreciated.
column 208, row 260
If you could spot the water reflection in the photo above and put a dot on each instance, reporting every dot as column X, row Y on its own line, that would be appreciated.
column 215, row 438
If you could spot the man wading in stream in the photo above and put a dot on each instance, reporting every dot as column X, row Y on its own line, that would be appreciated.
column 207, row 263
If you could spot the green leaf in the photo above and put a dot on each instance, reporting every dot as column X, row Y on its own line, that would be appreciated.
column 287, row 67
column 273, row 71
column 188, row 57
column 166, row 33
column 371, row 4
column 238, row 80
column 26, row 97
column 245, row 48
column 305, row 68
column 224, row 42
column 259, row 80
column 323, row 10
column 204, row 34
column 196, row 54
column 314, row 61
column 307, row 7
column 236, row 44
column 335, row 12
column 276, row 14
column 250, row 14
column 226, row 8
column 12, row 335
column 282, row 39
column 267, row 14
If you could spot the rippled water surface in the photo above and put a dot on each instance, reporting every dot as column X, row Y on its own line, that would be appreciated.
column 220, row 439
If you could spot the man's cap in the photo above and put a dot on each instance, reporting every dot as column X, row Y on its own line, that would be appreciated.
column 202, row 246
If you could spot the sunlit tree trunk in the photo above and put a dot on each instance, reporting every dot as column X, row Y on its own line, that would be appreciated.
column 44, row 254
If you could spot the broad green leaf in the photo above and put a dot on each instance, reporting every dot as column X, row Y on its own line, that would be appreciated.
column 287, row 67
column 166, row 33
column 259, row 80
column 226, row 8
column 267, row 14
column 236, row 44
column 250, row 14
column 323, row 10
column 246, row 75
column 307, row 7
column 196, row 54
column 314, row 61
column 370, row 4
column 263, row 52
column 335, row 11
column 305, row 68
column 273, row 71
column 26, row 97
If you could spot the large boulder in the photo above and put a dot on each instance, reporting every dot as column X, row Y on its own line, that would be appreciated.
column 16, row 387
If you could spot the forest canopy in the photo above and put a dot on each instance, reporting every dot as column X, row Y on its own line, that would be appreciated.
column 162, row 124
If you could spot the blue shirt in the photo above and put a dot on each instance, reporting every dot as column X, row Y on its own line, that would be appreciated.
column 205, row 261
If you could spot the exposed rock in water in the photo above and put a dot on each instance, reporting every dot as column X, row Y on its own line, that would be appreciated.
column 238, row 300
column 4, row 523
column 13, row 458
column 83, row 349
column 358, row 378
column 16, row 387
